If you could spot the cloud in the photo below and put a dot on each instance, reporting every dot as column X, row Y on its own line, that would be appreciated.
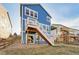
column 63, row 15
column 73, row 23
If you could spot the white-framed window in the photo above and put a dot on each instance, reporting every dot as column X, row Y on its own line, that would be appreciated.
column 36, row 15
column 27, row 11
column 44, row 27
column 31, row 13
column 48, row 18
column 47, row 28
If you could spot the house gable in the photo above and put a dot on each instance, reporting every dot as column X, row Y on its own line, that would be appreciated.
column 43, row 16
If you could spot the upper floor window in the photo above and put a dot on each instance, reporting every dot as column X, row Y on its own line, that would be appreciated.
column 48, row 18
column 32, row 13
column 36, row 15
column 27, row 11
column 47, row 28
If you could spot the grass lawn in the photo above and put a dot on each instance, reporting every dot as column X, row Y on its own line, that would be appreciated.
column 44, row 50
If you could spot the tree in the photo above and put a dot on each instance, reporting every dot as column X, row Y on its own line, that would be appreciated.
column 15, row 34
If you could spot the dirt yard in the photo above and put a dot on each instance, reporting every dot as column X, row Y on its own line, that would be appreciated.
column 58, row 49
column 43, row 50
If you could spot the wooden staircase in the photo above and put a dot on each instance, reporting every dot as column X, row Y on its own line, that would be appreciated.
column 42, row 34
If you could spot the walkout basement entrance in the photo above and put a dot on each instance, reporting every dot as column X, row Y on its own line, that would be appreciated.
column 30, row 39
column 31, row 36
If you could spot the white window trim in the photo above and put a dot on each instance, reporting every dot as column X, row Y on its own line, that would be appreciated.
column 30, row 12
column 48, row 18
column 34, row 14
column 45, row 29
column 25, row 11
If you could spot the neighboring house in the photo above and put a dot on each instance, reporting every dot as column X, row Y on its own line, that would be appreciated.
column 35, row 24
column 5, row 23
column 65, row 34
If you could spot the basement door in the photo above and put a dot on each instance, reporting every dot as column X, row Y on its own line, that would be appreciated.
column 30, row 39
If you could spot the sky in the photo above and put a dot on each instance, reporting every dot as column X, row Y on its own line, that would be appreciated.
column 14, row 14
column 65, row 14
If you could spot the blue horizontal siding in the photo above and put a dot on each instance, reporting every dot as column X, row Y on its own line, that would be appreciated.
column 42, row 14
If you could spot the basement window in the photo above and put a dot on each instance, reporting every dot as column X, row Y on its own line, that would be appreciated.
column 44, row 27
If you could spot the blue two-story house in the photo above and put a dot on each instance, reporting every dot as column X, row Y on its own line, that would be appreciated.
column 35, row 24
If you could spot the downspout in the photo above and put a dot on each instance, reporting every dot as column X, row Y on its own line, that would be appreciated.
column 10, row 21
